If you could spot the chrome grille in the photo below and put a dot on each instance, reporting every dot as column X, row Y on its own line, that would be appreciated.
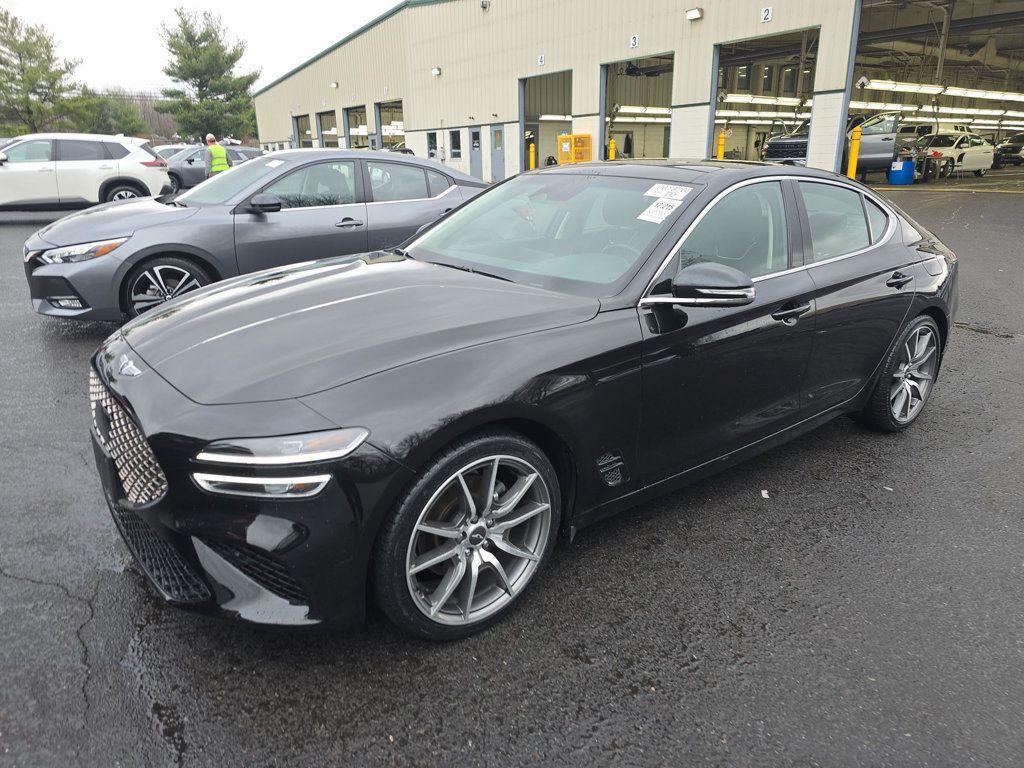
column 140, row 474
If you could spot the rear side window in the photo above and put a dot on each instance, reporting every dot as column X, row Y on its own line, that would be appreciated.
column 437, row 182
column 115, row 151
column 76, row 150
column 836, row 216
column 396, row 181
column 877, row 220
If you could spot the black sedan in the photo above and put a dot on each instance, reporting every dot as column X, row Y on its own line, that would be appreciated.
column 418, row 426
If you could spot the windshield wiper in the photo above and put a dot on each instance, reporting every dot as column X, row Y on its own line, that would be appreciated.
column 398, row 251
column 472, row 271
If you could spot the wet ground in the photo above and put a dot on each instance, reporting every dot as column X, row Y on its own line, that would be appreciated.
column 867, row 613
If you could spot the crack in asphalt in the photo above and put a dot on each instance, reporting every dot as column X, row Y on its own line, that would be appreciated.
column 987, row 331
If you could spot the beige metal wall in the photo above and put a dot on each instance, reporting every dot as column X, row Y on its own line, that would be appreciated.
column 482, row 54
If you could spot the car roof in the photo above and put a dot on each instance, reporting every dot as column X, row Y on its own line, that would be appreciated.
column 706, row 172
column 307, row 155
column 81, row 137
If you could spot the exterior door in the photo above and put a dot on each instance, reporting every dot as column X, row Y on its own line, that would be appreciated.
column 82, row 167
column 476, row 163
column 716, row 379
column 29, row 177
column 497, row 152
column 862, row 287
column 402, row 198
column 878, row 142
column 322, row 215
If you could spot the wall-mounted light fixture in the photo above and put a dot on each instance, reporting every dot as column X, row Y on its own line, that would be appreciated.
column 695, row 14
column 436, row 71
column 334, row 84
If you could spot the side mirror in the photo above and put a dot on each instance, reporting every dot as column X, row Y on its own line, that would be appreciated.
column 264, row 203
column 712, row 285
column 3, row 158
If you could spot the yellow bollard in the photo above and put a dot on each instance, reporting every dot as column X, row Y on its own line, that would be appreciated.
column 533, row 156
column 851, row 168
column 720, row 149
column 611, row 149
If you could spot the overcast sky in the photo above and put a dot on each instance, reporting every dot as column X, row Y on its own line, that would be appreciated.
column 118, row 41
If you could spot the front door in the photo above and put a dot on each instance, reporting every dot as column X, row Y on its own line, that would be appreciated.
column 29, row 177
column 716, row 379
column 878, row 142
column 476, row 163
column 497, row 152
column 863, row 289
column 322, row 215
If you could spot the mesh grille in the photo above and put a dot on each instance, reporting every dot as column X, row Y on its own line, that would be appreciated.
column 161, row 562
column 141, row 477
column 785, row 149
column 264, row 569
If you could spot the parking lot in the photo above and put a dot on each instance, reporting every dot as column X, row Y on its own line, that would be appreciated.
column 865, row 612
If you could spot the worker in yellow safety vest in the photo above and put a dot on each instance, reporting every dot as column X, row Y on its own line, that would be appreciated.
column 217, row 158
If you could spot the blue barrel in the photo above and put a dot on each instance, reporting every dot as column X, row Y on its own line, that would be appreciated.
column 901, row 172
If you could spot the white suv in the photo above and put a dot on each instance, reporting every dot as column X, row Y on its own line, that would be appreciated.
column 72, row 170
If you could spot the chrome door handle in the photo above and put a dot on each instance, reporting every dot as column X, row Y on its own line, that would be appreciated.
column 790, row 313
column 898, row 280
column 348, row 223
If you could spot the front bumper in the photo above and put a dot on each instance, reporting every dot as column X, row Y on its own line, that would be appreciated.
column 92, row 283
column 292, row 562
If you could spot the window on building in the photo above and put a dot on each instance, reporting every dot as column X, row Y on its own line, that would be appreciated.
column 327, row 127
column 455, row 144
column 302, row 130
column 743, row 78
column 357, row 131
column 767, row 78
column 789, row 80
column 837, row 221
column 432, row 144
column 316, row 185
column 397, row 181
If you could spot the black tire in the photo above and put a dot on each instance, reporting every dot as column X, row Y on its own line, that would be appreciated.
column 981, row 172
column 878, row 413
column 388, row 578
column 123, row 192
column 174, row 265
column 175, row 183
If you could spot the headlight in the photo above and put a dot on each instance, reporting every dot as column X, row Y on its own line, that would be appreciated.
column 83, row 252
column 262, row 487
column 290, row 449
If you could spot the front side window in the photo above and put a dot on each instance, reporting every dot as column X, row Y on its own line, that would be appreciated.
column 836, row 216
column 567, row 232
column 227, row 185
column 35, row 151
column 397, row 181
column 316, row 185
column 74, row 150
column 746, row 230
column 879, row 124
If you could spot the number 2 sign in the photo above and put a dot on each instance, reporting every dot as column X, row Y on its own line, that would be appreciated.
column 766, row 14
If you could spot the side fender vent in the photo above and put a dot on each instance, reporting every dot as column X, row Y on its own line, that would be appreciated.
column 612, row 468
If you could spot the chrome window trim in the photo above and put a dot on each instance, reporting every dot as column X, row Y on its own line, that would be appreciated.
column 646, row 297
column 411, row 199
column 317, row 207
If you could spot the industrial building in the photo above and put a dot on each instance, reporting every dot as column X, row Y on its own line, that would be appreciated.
column 475, row 83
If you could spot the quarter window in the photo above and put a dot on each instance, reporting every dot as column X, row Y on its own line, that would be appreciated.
column 877, row 220
column 836, row 216
column 437, row 182
column 746, row 230
column 396, row 181
column 35, row 151
column 117, row 151
column 316, row 185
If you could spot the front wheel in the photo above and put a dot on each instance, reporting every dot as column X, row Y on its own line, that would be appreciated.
column 160, row 280
column 175, row 184
column 907, row 378
column 981, row 172
column 468, row 538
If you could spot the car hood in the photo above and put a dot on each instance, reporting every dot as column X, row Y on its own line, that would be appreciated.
column 115, row 219
column 302, row 329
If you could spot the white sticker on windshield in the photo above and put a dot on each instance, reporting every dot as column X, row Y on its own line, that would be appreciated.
column 671, row 191
column 274, row 163
column 659, row 210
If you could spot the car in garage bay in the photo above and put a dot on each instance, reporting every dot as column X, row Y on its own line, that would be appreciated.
column 119, row 260
column 418, row 426
column 1010, row 151
column 962, row 152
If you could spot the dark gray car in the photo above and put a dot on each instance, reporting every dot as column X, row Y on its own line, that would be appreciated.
column 120, row 259
column 188, row 167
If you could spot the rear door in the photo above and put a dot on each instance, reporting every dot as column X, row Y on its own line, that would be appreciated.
column 322, row 215
column 192, row 169
column 29, row 177
column 402, row 198
column 716, row 379
column 82, row 167
column 863, row 288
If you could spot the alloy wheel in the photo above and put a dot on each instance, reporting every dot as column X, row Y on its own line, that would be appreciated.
column 479, row 540
column 124, row 194
column 160, row 283
column 913, row 377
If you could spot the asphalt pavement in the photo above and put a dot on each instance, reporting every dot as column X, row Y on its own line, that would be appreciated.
column 867, row 612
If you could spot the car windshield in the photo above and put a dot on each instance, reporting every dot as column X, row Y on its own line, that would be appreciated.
column 570, row 232
column 936, row 140
column 1017, row 139
column 225, row 186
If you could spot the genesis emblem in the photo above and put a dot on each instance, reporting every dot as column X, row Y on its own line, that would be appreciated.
column 127, row 367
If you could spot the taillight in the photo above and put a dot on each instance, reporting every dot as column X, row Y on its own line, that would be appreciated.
column 158, row 163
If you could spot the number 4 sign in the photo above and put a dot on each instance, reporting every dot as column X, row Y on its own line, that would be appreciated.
column 766, row 14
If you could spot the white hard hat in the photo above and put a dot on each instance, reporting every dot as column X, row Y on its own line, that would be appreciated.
column 210, row 137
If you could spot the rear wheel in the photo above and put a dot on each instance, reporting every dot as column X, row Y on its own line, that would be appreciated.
column 160, row 280
column 466, row 541
column 123, row 192
column 175, row 184
column 981, row 172
column 907, row 378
